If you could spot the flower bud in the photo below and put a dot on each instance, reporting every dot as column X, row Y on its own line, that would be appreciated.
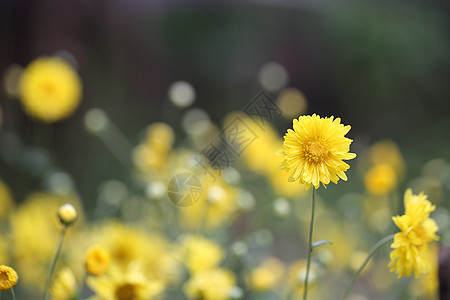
column 97, row 260
column 8, row 278
column 67, row 214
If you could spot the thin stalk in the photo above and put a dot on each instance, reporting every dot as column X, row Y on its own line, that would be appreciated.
column 11, row 292
column 83, row 281
column 53, row 264
column 311, row 225
column 374, row 249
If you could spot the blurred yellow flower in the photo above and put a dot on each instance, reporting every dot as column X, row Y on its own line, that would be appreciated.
column 216, row 205
column 130, row 284
column 267, row 275
column 380, row 179
column 49, row 89
column 8, row 278
column 410, row 245
column 200, row 253
column 314, row 151
column 387, row 152
column 126, row 244
column 213, row 284
column 64, row 286
column 32, row 223
column 97, row 260
column 6, row 200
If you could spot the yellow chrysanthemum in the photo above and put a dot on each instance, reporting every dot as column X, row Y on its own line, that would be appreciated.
column 267, row 275
column 8, row 278
column 314, row 151
column 49, row 89
column 97, row 260
column 213, row 284
column 201, row 254
column 65, row 285
column 126, row 244
column 119, row 285
column 410, row 245
column 380, row 179
column 35, row 229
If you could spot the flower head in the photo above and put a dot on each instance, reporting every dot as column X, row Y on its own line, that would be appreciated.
column 49, row 89
column 201, row 254
column 213, row 284
column 314, row 151
column 119, row 285
column 97, row 260
column 410, row 245
column 67, row 214
column 8, row 278
column 65, row 285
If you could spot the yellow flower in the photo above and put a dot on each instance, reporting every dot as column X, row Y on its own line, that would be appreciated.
column 49, row 89
column 67, row 214
column 8, row 278
column 380, row 179
column 97, row 260
column 213, row 284
column 410, row 245
column 65, row 286
column 126, row 244
column 427, row 286
column 267, row 275
column 215, row 207
column 201, row 254
column 34, row 229
column 314, row 151
column 129, row 285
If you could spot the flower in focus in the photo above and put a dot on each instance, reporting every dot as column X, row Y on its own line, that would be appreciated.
column 380, row 179
column 49, row 89
column 65, row 286
column 410, row 245
column 201, row 254
column 8, row 278
column 67, row 214
column 267, row 275
column 314, row 151
column 119, row 285
column 97, row 260
column 213, row 284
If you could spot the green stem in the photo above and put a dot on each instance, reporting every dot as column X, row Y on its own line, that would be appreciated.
column 374, row 249
column 11, row 292
column 53, row 264
column 83, row 281
column 311, row 225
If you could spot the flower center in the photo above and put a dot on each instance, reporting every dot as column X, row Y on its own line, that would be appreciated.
column 49, row 89
column 125, row 292
column 315, row 151
column 3, row 277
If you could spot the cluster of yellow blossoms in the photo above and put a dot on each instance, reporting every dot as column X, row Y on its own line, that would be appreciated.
column 185, row 249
